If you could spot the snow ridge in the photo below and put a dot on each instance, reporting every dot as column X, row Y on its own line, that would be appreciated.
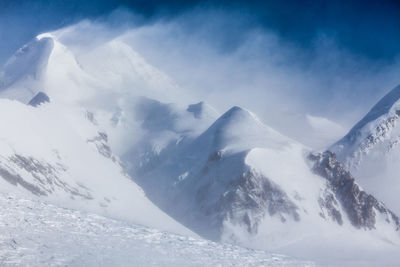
column 108, row 143
column 240, row 174
column 370, row 150
column 375, row 128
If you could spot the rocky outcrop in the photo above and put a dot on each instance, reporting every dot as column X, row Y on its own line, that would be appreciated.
column 39, row 99
column 101, row 143
column 251, row 197
column 377, row 133
column 360, row 144
column 330, row 207
column 39, row 177
column 361, row 208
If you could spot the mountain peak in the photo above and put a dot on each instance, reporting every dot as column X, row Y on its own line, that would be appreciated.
column 384, row 106
column 235, row 110
column 25, row 68
column 235, row 115
column 47, row 65
column 45, row 35
column 238, row 130
column 371, row 149
column 374, row 126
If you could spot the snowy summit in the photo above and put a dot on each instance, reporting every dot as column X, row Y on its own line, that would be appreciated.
column 110, row 158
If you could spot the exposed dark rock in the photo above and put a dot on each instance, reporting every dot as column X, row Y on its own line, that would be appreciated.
column 39, row 99
column 217, row 155
column 372, row 133
column 90, row 116
column 196, row 109
column 250, row 197
column 376, row 136
column 46, row 176
column 359, row 206
column 330, row 205
column 16, row 179
column 100, row 142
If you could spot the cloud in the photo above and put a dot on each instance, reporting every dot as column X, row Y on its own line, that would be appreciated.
column 226, row 58
column 323, row 132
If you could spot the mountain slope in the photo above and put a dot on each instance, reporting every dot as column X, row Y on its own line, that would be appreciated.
column 25, row 69
column 89, row 130
column 241, row 181
column 46, row 65
column 35, row 233
column 60, row 156
column 370, row 149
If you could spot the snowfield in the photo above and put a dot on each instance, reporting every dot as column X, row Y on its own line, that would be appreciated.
column 99, row 130
column 37, row 234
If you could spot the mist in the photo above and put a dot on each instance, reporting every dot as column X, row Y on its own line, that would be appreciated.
column 226, row 57
column 122, row 114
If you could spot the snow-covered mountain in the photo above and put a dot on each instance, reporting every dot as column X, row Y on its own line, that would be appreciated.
column 371, row 151
column 241, row 181
column 89, row 130
column 61, row 156
column 54, row 148
column 25, row 69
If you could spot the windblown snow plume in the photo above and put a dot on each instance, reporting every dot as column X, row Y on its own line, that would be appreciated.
column 98, row 129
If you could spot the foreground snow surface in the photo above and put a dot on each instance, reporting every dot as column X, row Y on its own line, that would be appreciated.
column 38, row 234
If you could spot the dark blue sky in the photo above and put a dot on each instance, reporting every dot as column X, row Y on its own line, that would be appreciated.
column 368, row 28
column 333, row 59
